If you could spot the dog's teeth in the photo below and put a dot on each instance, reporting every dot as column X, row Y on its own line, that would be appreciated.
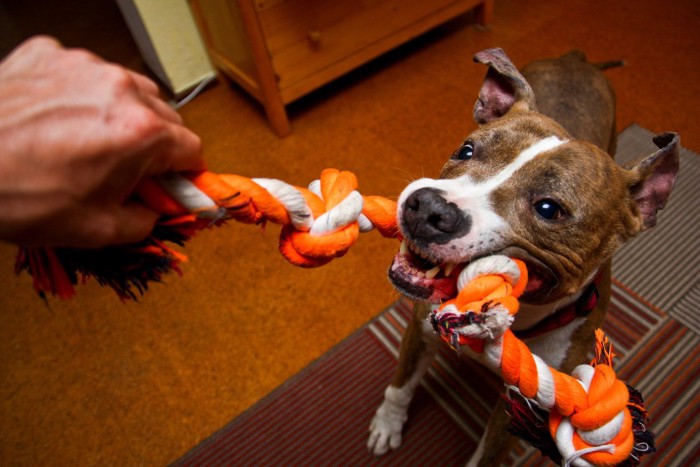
column 407, row 246
column 432, row 273
column 421, row 254
column 449, row 267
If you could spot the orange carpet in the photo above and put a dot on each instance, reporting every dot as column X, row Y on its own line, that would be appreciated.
column 95, row 381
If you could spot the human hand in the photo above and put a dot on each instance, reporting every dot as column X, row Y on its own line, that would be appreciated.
column 77, row 134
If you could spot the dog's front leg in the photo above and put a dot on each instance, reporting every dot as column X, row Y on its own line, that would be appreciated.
column 496, row 443
column 418, row 348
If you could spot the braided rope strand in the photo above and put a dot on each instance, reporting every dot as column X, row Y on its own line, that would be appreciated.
column 589, row 419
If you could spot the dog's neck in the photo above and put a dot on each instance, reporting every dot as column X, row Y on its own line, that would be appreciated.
column 530, row 316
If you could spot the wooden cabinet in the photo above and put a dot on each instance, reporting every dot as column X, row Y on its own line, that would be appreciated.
column 279, row 50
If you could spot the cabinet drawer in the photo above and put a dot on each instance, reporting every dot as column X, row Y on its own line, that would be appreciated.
column 305, row 36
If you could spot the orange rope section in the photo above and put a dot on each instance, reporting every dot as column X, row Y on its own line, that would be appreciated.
column 589, row 417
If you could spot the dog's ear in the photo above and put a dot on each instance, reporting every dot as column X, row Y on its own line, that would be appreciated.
column 503, row 87
column 654, row 176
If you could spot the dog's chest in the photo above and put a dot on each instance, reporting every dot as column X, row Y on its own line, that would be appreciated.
column 553, row 346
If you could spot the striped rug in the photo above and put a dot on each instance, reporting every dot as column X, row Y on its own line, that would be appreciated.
column 320, row 416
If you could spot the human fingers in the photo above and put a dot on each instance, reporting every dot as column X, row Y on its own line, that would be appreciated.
column 180, row 151
column 90, row 226
column 144, row 84
column 134, row 222
column 161, row 108
column 117, row 224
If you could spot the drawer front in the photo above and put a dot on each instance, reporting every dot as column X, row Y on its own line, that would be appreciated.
column 305, row 36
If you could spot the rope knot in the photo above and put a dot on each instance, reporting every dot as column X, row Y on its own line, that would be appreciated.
column 336, row 220
column 600, row 434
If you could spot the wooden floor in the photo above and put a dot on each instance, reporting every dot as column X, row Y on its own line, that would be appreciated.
column 98, row 382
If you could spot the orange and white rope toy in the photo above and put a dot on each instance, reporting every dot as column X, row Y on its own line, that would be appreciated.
column 590, row 418
column 318, row 224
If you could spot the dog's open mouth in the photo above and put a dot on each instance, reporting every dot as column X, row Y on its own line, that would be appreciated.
column 420, row 278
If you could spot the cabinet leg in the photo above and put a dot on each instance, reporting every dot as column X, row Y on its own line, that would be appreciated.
column 277, row 118
column 267, row 80
column 484, row 12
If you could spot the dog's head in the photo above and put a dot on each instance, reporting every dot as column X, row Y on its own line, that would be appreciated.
column 520, row 185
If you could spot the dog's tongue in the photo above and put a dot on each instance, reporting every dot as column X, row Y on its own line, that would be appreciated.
column 443, row 289
column 534, row 282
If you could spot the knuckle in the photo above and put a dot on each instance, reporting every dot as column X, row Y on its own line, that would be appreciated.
column 43, row 42
column 78, row 59
column 36, row 48
column 149, row 124
column 81, row 55
column 143, row 124
column 118, row 77
column 196, row 143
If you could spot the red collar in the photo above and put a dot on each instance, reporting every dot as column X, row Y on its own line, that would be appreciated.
column 563, row 316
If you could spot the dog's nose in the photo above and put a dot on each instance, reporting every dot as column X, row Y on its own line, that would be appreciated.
column 428, row 217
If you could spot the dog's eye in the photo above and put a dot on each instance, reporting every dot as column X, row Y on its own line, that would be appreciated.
column 549, row 209
column 465, row 152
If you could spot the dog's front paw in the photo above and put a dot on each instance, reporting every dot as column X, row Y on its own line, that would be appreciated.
column 387, row 425
column 385, row 430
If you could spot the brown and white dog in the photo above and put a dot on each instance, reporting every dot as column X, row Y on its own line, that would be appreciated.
column 536, row 182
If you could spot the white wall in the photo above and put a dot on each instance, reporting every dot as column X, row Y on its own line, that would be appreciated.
column 169, row 41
